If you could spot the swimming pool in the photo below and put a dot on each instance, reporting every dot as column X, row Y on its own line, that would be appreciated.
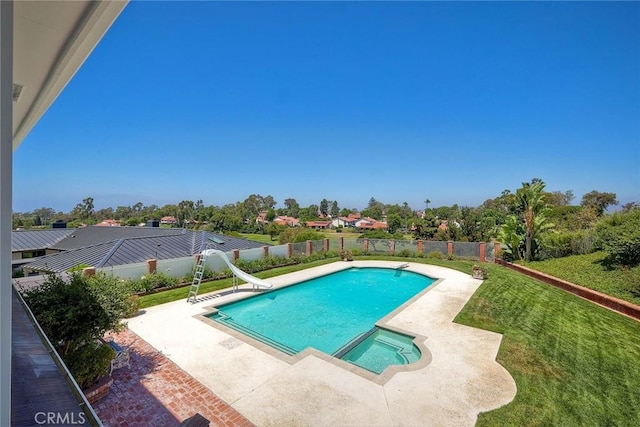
column 333, row 314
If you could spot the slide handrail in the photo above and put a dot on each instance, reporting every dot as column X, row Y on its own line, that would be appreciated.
column 239, row 273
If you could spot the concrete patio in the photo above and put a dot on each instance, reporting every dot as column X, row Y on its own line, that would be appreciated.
column 456, row 378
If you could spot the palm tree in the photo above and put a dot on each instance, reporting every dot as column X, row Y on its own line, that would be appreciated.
column 427, row 202
column 533, row 207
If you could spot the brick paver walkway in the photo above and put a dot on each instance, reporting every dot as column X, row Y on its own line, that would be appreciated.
column 154, row 391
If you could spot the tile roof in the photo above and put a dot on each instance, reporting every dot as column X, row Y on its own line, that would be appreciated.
column 139, row 249
column 28, row 240
column 286, row 220
column 318, row 223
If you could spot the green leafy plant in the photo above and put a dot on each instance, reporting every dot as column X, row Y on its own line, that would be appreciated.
column 76, row 313
column 619, row 236
column 154, row 281
column 89, row 361
column 405, row 253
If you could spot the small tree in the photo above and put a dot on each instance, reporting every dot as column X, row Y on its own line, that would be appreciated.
column 598, row 201
column 532, row 205
column 298, row 235
column 75, row 314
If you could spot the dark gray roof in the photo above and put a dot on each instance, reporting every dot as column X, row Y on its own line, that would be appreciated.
column 139, row 249
column 28, row 240
column 93, row 234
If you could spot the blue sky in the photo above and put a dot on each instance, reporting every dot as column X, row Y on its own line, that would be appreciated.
column 450, row 101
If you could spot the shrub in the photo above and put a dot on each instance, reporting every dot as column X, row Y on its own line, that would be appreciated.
column 406, row 253
column 89, row 361
column 451, row 257
column 207, row 274
column 557, row 245
column 154, row 281
column 134, row 306
column 75, row 314
column 619, row 236
column 435, row 255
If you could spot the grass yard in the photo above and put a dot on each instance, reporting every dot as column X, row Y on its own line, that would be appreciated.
column 588, row 271
column 256, row 237
column 575, row 363
column 329, row 234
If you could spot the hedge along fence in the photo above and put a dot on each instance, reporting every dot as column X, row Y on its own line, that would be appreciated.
column 182, row 268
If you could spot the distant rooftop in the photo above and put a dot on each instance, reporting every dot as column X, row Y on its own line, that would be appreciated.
column 27, row 240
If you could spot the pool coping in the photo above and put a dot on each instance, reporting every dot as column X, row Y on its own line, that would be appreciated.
column 381, row 378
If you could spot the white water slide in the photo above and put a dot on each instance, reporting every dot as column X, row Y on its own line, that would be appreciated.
column 255, row 282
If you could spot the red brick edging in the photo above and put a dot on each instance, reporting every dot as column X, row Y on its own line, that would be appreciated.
column 608, row 301
column 99, row 390
column 154, row 391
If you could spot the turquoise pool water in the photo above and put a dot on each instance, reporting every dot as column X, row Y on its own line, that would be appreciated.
column 327, row 313
column 381, row 349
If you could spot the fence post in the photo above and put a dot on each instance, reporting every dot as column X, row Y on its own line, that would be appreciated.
column 89, row 271
column 420, row 246
column 309, row 247
column 449, row 247
column 392, row 247
column 152, row 266
column 326, row 245
column 236, row 255
column 289, row 250
column 496, row 250
column 482, row 251
column 365, row 245
column 265, row 251
column 341, row 244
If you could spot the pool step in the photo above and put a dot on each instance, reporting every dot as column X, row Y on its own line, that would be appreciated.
column 227, row 320
column 354, row 343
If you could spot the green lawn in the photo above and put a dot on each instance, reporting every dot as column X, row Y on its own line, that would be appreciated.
column 329, row 234
column 574, row 363
column 263, row 238
column 588, row 271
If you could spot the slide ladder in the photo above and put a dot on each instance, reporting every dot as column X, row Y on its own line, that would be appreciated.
column 198, row 273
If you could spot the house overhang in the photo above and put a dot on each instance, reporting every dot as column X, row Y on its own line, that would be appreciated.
column 52, row 39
